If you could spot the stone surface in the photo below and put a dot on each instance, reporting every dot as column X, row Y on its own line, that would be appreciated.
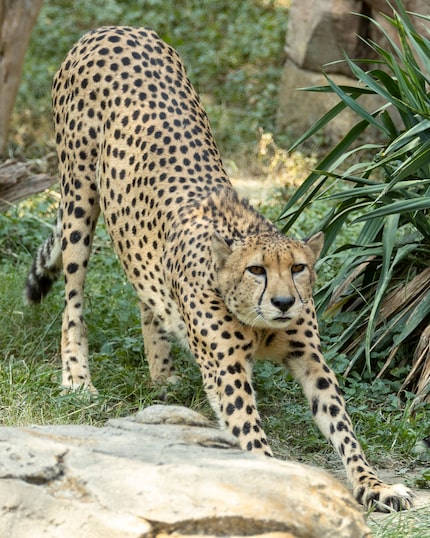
column 299, row 110
column 133, row 479
column 320, row 30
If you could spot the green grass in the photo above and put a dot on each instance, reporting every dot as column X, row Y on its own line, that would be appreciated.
column 30, row 369
column 402, row 525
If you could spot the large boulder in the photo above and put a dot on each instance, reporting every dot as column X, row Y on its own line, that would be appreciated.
column 320, row 30
column 136, row 478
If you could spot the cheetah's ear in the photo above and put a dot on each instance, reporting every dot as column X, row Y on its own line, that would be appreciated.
column 221, row 249
column 315, row 243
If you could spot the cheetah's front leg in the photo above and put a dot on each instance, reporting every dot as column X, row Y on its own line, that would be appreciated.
column 329, row 411
column 157, row 348
column 229, row 389
column 226, row 368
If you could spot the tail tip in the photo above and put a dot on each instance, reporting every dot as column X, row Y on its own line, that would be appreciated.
column 37, row 289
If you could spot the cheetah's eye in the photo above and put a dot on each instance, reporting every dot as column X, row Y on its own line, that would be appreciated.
column 297, row 268
column 256, row 270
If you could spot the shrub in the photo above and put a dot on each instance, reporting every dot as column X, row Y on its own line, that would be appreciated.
column 383, row 278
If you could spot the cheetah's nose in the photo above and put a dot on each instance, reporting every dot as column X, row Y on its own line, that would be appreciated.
column 283, row 303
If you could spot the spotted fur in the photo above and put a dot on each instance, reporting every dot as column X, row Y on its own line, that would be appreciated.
column 134, row 142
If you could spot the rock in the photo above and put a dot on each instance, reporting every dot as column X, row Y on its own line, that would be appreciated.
column 319, row 32
column 299, row 110
column 130, row 479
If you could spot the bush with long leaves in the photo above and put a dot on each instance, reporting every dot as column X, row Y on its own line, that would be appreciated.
column 384, row 275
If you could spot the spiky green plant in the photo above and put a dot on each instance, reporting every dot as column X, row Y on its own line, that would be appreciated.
column 384, row 274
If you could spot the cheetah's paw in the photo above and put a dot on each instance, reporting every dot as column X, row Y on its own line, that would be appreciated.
column 384, row 497
column 87, row 390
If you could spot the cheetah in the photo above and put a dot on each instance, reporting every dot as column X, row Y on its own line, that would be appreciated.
column 135, row 144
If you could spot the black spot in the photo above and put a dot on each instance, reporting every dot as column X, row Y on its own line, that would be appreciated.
column 238, row 402
column 247, row 387
column 322, row 383
column 334, row 410
column 269, row 339
column 75, row 237
column 297, row 354
column 229, row 409
column 72, row 268
column 338, row 390
column 341, row 426
column 79, row 212
column 229, row 390
column 297, row 344
column 314, row 406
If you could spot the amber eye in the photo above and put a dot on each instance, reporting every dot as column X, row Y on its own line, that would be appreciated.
column 256, row 270
column 297, row 267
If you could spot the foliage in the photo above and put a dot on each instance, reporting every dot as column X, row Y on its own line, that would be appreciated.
column 233, row 52
column 384, row 279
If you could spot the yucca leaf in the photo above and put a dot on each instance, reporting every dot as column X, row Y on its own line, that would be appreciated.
column 401, row 206
column 375, row 190
column 390, row 126
column 370, row 231
column 333, row 159
column 422, row 128
column 392, row 89
column 389, row 235
column 352, row 90
column 412, row 164
column 318, row 125
column 420, row 312
column 371, row 81
column 353, row 105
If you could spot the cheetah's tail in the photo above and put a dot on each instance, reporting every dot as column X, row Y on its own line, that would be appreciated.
column 45, row 269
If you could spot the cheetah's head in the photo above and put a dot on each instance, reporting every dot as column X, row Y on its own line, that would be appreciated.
column 266, row 279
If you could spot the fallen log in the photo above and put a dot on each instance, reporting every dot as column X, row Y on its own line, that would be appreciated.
column 18, row 180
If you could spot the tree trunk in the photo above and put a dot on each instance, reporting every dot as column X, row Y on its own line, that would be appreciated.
column 17, row 18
